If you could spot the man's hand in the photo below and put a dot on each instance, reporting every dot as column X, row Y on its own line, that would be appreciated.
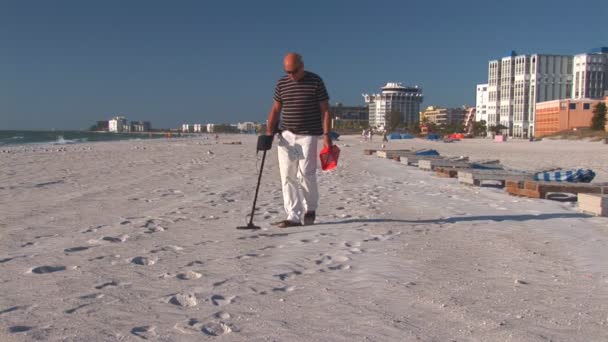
column 327, row 141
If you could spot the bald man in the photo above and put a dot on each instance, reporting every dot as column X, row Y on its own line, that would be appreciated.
column 301, row 103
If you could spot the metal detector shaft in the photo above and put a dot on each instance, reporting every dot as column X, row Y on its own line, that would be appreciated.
column 250, row 225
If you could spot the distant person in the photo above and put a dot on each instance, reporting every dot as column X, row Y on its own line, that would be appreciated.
column 384, row 138
column 301, row 103
column 369, row 134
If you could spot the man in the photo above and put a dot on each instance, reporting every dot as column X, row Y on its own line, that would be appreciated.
column 302, row 103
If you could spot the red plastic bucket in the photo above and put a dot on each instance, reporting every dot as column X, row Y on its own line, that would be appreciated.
column 329, row 158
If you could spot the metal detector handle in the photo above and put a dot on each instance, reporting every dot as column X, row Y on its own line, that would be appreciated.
column 264, row 142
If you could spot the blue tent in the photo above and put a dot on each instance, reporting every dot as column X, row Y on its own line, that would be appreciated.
column 407, row 136
column 433, row 137
column 333, row 135
column 394, row 136
column 427, row 153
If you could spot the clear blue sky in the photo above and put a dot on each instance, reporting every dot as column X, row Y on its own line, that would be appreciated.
column 66, row 64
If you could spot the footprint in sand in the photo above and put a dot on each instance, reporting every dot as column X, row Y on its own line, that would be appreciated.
column 19, row 329
column 248, row 256
column 287, row 275
column 289, row 288
column 47, row 269
column 75, row 249
column 116, row 239
column 213, row 329
column 218, row 300
column 216, row 329
column 111, row 284
column 186, row 300
column 145, row 261
column 189, row 275
column 145, row 332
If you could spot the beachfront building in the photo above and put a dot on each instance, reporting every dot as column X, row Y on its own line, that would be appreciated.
column 246, row 127
column 394, row 97
column 102, row 126
column 187, row 128
column 481, row 105
column 210, row 127
column 445, row 116
column 561, row 115
column 140, row 126
column 198, row 128
column 349, row 116
column 517, row 82
column 590, row 74
column 118, row 124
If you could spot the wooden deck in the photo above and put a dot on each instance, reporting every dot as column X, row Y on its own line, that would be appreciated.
column 540, row 189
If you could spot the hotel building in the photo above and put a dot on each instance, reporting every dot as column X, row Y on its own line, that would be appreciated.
column 517, row 82
column 394, row 97
column 590, row 71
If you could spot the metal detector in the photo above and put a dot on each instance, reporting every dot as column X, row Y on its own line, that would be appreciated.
column 264, row 144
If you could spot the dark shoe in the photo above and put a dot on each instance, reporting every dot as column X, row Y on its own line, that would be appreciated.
column 287, row 224
column 309, row 218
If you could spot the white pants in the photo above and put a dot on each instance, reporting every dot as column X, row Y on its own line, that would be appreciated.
column 298, row 167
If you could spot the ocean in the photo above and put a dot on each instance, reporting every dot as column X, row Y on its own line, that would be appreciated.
column 67, row 137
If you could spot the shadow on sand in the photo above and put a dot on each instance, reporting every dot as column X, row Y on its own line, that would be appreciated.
column 496, row 218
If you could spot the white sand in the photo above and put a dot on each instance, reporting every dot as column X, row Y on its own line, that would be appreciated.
column 125, row 241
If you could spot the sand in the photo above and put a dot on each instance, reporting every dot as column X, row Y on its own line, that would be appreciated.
column 134, row 240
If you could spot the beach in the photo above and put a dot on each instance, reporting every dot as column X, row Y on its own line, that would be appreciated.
column 136, row 240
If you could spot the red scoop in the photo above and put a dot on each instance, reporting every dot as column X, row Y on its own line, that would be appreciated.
column 329, row 158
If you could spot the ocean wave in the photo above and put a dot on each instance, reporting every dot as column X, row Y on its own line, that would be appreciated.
column 61, row 141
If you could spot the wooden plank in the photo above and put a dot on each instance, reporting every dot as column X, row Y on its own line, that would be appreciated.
column 414, row 159
column 430, row 164
column 389, row 154
column 478, row 176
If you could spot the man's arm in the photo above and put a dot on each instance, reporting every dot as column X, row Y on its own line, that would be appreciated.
column 273, row 118
column 326, row 122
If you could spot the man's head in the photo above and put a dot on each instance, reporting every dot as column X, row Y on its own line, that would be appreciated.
column 294, row 66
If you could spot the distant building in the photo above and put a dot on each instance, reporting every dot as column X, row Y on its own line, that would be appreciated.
column 102, row 126
column 590, row 74
column 246, row 126
column 517, row 82
column 210, row 127
column 481, row 106
column 445, row 116
column 187, row 128
column 140, row 126
column 469, row 120
column 349, row 116
column 394, row 97
column 351, row 113
column 561, row 115
column 198, row 128
column 118, row 124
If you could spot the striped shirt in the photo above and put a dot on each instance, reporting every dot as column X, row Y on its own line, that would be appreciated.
column 301, row 113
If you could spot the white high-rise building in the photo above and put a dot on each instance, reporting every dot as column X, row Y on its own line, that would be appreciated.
column 118, row 124
column 550, row 79
column 590, row 74
column 481, row 104
column 517, row 82
column 394, row 97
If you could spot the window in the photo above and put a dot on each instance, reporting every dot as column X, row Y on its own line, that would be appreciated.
column 572, row 106
column 586, row 106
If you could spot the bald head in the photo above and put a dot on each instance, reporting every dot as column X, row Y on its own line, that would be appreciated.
column 294, row 65
column 292, row 59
